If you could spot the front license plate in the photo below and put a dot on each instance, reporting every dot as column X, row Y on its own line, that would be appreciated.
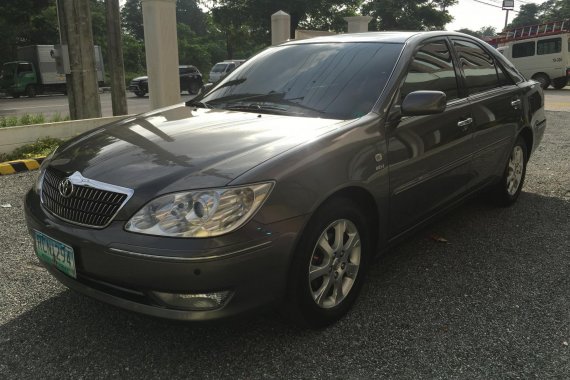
column 55, row 253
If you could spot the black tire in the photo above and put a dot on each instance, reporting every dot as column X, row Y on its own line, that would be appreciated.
column 15, row 96
column 560, row 83
column 31, row 91
column 194, row 88
column 140, row 94
column 543, row 79
column 507, row 191
column 339, row 267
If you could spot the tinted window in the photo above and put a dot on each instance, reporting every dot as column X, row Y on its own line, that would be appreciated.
column 432, row 69
column 550, row 46
column 478, row 66
column 231, row 66
column 219, row 67
column 328, row 80
column 523, row 49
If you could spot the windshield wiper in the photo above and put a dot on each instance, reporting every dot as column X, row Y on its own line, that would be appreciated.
column 198, row 104
column 259, row 108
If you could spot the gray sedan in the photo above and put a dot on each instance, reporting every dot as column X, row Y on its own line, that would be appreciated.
column 280, row 184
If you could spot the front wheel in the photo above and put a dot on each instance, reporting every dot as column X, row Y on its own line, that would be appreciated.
column 194, row 88
column 31, row 91
column 329, row 265
column 542, row 79
column 507, row 191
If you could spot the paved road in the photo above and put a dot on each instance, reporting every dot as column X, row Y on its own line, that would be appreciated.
column 556, row 100
column 494, row 303
column 50, row 105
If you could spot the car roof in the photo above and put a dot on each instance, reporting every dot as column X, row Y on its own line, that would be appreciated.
column 387, row 37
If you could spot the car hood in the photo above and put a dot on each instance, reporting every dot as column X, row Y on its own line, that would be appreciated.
column 180, row 148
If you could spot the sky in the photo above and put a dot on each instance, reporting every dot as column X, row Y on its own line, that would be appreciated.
column 474, row 15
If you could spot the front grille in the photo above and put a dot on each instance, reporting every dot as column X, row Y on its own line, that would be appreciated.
column 86, row 206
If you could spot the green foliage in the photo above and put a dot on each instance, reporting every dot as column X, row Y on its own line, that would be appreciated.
column 27, row 119
column 551, row 10
column 486, row 31
column 41, row 148
column 408, row 14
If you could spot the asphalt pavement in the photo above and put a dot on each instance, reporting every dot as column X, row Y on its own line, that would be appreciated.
column 491, row 303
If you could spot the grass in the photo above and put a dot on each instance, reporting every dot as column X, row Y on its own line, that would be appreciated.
column 41, row 148
column 14, row 121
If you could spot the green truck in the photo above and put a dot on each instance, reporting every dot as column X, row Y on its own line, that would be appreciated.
column 35, row 72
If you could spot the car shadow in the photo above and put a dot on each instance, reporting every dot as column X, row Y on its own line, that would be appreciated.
column 480, row 291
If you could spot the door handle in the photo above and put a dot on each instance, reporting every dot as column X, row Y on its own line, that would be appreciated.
column 464, row 124
column 516, row 104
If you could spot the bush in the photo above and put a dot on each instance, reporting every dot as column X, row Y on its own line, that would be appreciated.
column 41, row 148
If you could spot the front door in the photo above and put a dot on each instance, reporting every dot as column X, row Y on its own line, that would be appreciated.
column 429, row 156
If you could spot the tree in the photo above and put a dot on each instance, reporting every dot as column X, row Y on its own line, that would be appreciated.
column 529, row 14
column 408, row 14
column 486, row 31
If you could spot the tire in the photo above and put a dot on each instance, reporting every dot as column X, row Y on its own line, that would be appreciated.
column 140, row 94
column 559, row 83
column 333, row 267
column 31, row 91
column 15, row 96
column 507, row 191
column 194, row 88
column 543, row 79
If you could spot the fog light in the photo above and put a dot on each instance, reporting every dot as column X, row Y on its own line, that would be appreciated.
column 201, row 301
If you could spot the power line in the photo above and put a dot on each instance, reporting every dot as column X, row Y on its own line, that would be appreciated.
column 493, row 5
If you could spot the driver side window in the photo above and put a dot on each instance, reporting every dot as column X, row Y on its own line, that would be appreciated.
column 432, row 69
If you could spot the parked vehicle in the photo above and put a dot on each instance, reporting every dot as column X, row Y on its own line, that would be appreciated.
column 35, row 72
column 190, row 80
column 282, row 182
column 221, row 69
column 540, row 52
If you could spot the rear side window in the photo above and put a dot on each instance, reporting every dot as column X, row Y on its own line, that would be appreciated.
column 432, row 69
column 523, row 49
column 550, row 46
column 478, row 66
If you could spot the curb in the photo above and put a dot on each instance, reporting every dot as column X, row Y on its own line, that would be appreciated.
column 18, row 166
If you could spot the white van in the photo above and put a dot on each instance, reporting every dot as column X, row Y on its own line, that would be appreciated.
column 221, row 69
column 545, row 59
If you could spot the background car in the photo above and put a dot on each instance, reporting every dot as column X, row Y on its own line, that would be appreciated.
column 221, row 69
column 190, row 80
column 280, row 184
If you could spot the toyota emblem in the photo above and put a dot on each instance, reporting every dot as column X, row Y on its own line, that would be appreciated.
column 66, row 188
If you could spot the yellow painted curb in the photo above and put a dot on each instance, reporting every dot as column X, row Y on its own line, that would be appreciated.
column 18, row 166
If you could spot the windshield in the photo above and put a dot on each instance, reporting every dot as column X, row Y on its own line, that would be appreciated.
column 219, row 67
column 328, row 80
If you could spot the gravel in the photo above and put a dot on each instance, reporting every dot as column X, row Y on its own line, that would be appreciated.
column 492, row 302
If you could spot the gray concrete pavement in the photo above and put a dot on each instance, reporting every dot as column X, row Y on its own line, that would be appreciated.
column 50, row 105
column 493, row 303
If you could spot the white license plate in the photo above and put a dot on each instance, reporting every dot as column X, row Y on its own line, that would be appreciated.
column 55, row 253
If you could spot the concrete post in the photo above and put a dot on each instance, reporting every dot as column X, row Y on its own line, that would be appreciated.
column 115, row 51
column 280, row 27
column 161, row 44
column 358, row 24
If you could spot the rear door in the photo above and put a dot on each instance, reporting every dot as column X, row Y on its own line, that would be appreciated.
column 429, row 156
column 496, row 103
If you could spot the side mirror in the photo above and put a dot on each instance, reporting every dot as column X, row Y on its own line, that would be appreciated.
column 419, row 103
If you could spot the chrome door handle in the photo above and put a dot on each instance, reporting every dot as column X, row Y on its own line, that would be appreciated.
column 516, row 103
column 465, row 123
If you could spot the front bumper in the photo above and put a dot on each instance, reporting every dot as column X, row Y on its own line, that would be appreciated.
column 124, row 269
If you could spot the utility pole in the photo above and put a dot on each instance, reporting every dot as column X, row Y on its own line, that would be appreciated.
column 62, row 20
column 508, row 5
column 84, row 102
column 115, row 51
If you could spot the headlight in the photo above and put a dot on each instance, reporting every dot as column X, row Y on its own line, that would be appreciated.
column 200, row 213
column 40, row 179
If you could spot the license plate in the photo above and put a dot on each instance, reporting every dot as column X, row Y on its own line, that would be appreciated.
column 55, row 253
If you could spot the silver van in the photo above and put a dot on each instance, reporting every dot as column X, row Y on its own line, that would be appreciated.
column 221, row 69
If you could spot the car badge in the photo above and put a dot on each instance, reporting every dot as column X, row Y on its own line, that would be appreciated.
column 66, row 188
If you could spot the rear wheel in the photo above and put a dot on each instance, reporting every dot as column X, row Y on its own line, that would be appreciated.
column 329, row 265
column 31, row 91
column 140, row 94
column 543, row 79
column 559, row 83
column 507, row 191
